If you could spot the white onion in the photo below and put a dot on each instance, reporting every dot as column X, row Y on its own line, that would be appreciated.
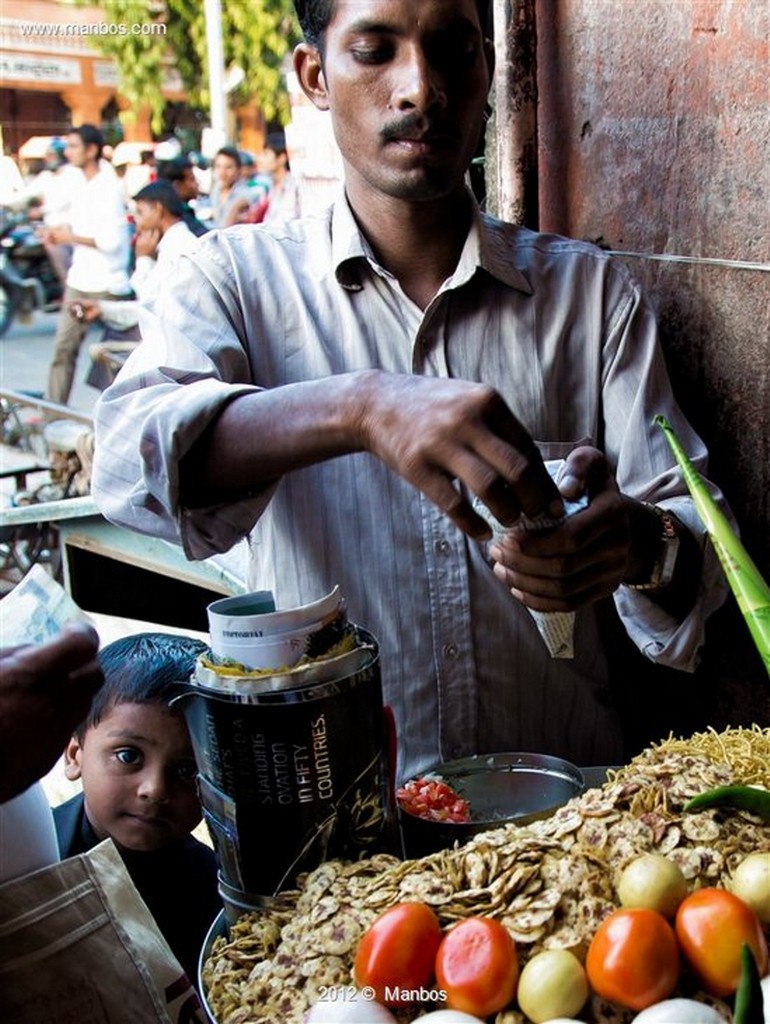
column 563, row 1020
column 451, row 1017
column 683, row 1011
column 353, row 1009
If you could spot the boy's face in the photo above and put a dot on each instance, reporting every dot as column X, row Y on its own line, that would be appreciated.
column 138, row 774
column 226, row 171
column 148, row 215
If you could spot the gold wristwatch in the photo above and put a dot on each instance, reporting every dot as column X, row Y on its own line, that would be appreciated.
column 663, row 569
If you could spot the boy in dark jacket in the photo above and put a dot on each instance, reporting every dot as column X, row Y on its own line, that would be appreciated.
column 134, row 757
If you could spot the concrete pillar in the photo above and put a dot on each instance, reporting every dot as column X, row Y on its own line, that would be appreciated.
column 515, row 94
column 85, row 107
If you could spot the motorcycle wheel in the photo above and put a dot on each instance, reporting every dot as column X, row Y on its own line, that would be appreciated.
column 8, row 302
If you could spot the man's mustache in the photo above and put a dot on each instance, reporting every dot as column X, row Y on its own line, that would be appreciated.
column 415, row 126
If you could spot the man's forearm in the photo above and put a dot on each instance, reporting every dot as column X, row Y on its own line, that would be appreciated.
column 260, row 436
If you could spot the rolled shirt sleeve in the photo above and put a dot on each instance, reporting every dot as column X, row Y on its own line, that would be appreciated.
column 188, row 367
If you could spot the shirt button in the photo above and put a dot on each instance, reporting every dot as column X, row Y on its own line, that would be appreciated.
column 451, row 652
column 443, row 547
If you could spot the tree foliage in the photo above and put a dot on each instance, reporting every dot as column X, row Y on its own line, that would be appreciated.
column 256, row 36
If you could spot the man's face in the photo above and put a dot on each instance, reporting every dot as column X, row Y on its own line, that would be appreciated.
column 138, row 774
column 187, row 186
column 148, row 215
column 77, row 153
column 226, row 170
column 406, row 82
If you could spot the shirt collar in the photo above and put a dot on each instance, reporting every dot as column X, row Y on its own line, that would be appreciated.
column 488, row 248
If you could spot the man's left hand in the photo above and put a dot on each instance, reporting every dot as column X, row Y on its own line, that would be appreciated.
column 588, row 555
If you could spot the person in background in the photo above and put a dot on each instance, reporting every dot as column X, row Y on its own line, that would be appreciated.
column 133, row 755
column 48, row 197
column 11, row 180
column 137, row 175
column 98, row 232
column 342, row 389
column 228, row 190
column 162, row 236
column 180, row 173
column 283, row 197
column 45, row 690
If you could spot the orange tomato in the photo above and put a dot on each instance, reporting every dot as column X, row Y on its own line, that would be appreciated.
column 398, row 952
column 712, row 925
column 477, row 966
column 633, row 958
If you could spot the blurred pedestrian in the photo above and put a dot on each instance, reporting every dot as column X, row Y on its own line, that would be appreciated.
column 54, row 187
column 283, row 197
column 229, row 191
column 98, row 231
column 11, row 180
column 162, row 236
column 180, row 172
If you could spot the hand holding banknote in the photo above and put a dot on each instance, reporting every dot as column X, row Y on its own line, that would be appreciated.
column 559, row 566
column 45, row 691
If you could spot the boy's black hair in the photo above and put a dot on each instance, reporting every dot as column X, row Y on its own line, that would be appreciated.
column 90, row 135
column 142, row 669
column 162, row 192
column 230, row 151
column 314, row 17
column 174, row 169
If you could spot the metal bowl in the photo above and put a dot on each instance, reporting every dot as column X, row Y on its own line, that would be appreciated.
column 500, row 788
column 217, row 929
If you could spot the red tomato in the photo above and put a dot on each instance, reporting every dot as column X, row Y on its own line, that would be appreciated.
column 398, row 952
column 433, row 799
column 712, row 925
column 633, row 958
column 477, row 966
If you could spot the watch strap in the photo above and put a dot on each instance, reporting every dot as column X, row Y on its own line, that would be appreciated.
column 663, row 569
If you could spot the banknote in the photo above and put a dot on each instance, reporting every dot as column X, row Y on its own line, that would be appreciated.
column 36, row 609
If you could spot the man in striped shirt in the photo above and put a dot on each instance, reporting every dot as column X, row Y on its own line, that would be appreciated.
column 338, row 389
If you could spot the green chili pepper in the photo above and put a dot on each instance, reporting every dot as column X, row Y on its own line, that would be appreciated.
column 748, row 998
column 742, row 798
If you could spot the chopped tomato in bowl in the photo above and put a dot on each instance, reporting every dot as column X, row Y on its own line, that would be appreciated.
column 431, row 798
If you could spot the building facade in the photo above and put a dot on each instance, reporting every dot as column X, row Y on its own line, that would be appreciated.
column 52, row 75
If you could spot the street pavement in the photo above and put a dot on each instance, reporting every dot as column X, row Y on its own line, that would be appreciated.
column 25, row 353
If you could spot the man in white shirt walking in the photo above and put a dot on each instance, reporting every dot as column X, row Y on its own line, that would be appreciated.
column 99, row 233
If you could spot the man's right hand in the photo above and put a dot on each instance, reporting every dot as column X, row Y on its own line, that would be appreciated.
column 438, row 433
column 45, row 692
column 441, row 435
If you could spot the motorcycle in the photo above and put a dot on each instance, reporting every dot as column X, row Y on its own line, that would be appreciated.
column 28, row 280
